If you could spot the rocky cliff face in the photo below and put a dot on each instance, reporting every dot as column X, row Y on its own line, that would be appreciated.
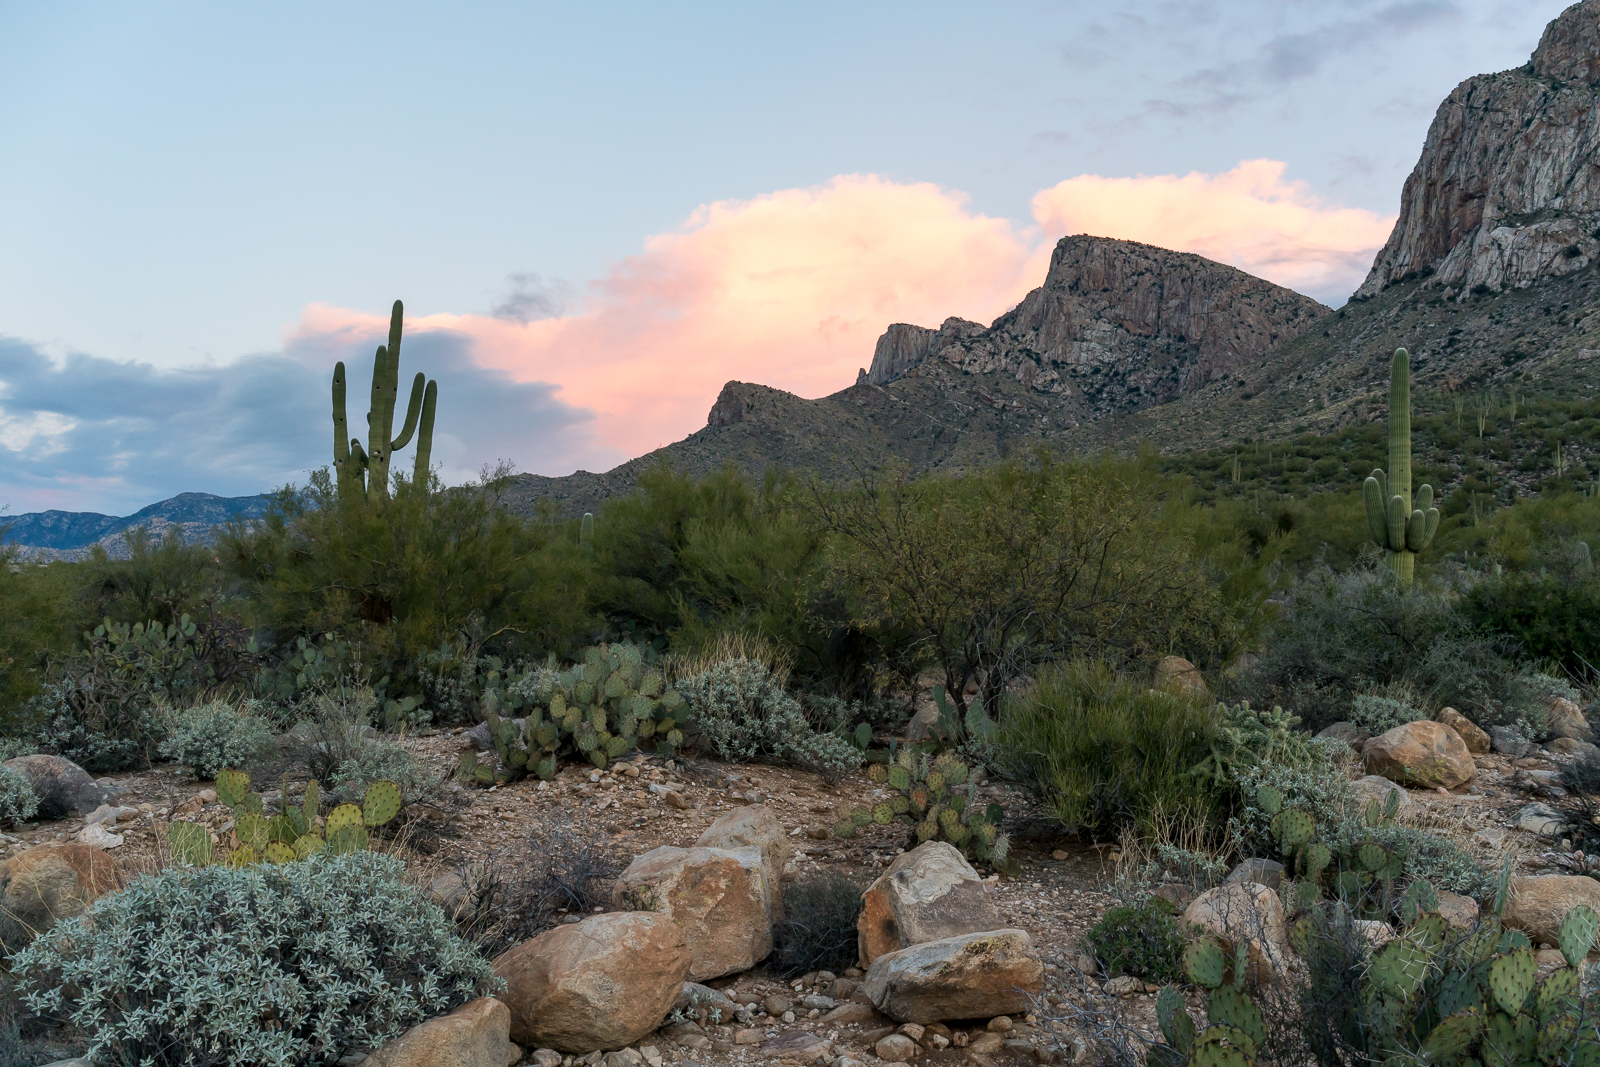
column 1116, row 326
column 1507, row 190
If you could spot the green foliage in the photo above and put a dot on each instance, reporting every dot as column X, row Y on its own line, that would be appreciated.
column 1552, row 615
column 329, row 957
column 740, row 708
column 1246, row 737
column 1103, row 751
column 938, row 797
column 208, row 737
column 1138, row 939
column 818, row 930
column 18, row 802
column 294, row 832
column 1378, row 714
column 383, row 760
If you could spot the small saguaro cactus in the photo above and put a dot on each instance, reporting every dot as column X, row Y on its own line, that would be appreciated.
column 366, row 470
column 1399, row 529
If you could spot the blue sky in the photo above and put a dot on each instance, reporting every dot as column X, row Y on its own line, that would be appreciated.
column 182, row 182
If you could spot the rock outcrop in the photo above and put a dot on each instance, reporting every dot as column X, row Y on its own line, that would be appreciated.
column 1248, row 913
column 1537, row 905
column 1423, row 753
column 717, row 896
column 929, row 893
column 1116, row 326
column 1506, row 191
column 755, row 826
column 64, row 789
column 48, row 883
column 967, row 977
column 477, row 1034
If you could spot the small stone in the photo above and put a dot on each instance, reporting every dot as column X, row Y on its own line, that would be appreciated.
column 1489, row 836
column 913, row 1031
column 546, row 1057
column 1540, row 819
column 1059, row 854
column 896, row 1048
column 776, row 1006
column 675, row 800
column 1122, row 986
column 747, row 1037
column 938, row 1041
column 986, row 1044
column 820, row 1003
column 788, row 1016
column 1001, row 1023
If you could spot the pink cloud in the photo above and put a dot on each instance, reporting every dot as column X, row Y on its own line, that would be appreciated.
column 792, row 289
column 1248, row 217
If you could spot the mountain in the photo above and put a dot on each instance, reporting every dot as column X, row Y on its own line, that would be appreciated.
column 63, row 531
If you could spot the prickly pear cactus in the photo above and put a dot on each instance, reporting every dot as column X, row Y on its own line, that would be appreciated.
column 938, row 798
column 189, row 843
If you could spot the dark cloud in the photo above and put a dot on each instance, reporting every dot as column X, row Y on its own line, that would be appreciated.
column 532, row 298
column 86, row 433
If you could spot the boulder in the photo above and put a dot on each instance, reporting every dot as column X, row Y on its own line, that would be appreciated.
column 1422, row 753
column 477, row 1034
column 1565, row 719
column 1571, row 747
column 598, row 984
column 718, row 896
column 927, row 894
column 47, row 883
column 1266, row 872
column 1245, row 912
column 755, row 826
column 1541, row 819
column 1377, row 787
column 1508, row 742
column 1176, row 674
column 1348, row 732
column 1537, row 905
column 969, row 976
column 64, row 789
column 1459, row 911
column 1471, row 733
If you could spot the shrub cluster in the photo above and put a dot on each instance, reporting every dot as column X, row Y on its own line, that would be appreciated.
column 208, row 737
column 18, row 801
column 1142, row 939
column 818, row 930
column 744, row 713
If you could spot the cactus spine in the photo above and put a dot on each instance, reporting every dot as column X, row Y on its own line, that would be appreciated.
column 1399, row 529
column 366, row 470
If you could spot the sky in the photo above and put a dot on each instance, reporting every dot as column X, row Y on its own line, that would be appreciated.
column 598, row 213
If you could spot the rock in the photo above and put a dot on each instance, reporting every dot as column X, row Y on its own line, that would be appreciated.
column 776, row 1006
column 545, row 1057
column 1124, row 986
column 1489, row 836
column 927, row 894
column 1471, row 734
column 1537, row 905
column 1266, row 872
column 896, row 1048
column 1537, row 818
column 816, row 1002
column 1571, row 747
column 1377, row 787
column 1547, row 961
column 1508, row 742
column 796, row 1046
column 97, row 836
column 1374, row 932
column 64, row 789
column 841, row 988
column 1248, row 912
column 1348, row 732
column 1565, row 719
column 1422, row 753
column 719, row 897
column 704, row 1004
column 1178, row 675
column 477, row 1034
column 748, row 1036
column 963, row 977
column 986, row 1044
column 852, row 1014
column 47, row 883
column 757, row 827
column 1459, row 911
column 598, row 984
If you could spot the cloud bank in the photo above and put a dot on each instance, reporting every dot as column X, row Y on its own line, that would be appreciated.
column 790, row 289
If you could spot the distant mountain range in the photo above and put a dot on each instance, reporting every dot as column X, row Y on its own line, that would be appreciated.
column 67, row 534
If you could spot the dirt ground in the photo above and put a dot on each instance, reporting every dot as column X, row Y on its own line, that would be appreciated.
column 1062, row 889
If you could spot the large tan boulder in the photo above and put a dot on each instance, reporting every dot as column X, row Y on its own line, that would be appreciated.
column 1423, row 753
column 1245, row 912
column 1565, row 719
column 48, row 883
column 477, row 1034
column 755, row 826
column 717, row 896
column 1537, row 905
column 970, row 976
column 929, row 893
column 1472, row 735
column 1178, row 675
column 598, row 984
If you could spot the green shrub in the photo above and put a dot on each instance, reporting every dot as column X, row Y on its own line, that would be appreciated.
column 384, row 760
column 208, row 737
column 1103, row 752
column 1441, row 861
column 1319, row 787
column 18, row 802
column 818, row 930
column 1552, row 616
column 295, row 963
column 744, row 713
column 1378, row 715
column 1143, row 940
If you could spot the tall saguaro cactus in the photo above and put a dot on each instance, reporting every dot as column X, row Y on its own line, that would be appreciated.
column 367, row 470
column 1400, row 530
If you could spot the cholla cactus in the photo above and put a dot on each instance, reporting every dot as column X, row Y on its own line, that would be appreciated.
column 939, row 797
column 295, row 833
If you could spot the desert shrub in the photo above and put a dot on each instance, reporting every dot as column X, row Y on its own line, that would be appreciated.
column 1379, row 714
column 744, row 713
column 18, row 802
column 1438, row 859
column 334, row 723
column 63, row 719
column 1319, row 787
column 384, row 760
column 1104, row 751
column 208, row 737
column 293, row 963
column 818, row 930
column 1138, row 939
column 1552, row 615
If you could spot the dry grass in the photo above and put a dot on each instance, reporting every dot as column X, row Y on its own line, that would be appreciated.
column 730, row 645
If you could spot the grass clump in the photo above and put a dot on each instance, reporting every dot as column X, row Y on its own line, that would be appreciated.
column 818, row 931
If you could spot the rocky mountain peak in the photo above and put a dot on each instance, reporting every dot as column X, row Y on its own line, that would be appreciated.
column 1506, row 191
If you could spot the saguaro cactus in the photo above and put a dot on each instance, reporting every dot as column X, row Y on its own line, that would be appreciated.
column 366, row 470
column 1399, row 529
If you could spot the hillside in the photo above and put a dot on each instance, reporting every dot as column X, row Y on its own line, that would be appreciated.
column 66, row 531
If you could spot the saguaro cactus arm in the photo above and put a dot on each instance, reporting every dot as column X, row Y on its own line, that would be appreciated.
column 412, row 407
column 430, row 398
column 341, row 429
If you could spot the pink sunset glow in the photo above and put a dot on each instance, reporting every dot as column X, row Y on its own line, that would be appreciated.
column 792, row 289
